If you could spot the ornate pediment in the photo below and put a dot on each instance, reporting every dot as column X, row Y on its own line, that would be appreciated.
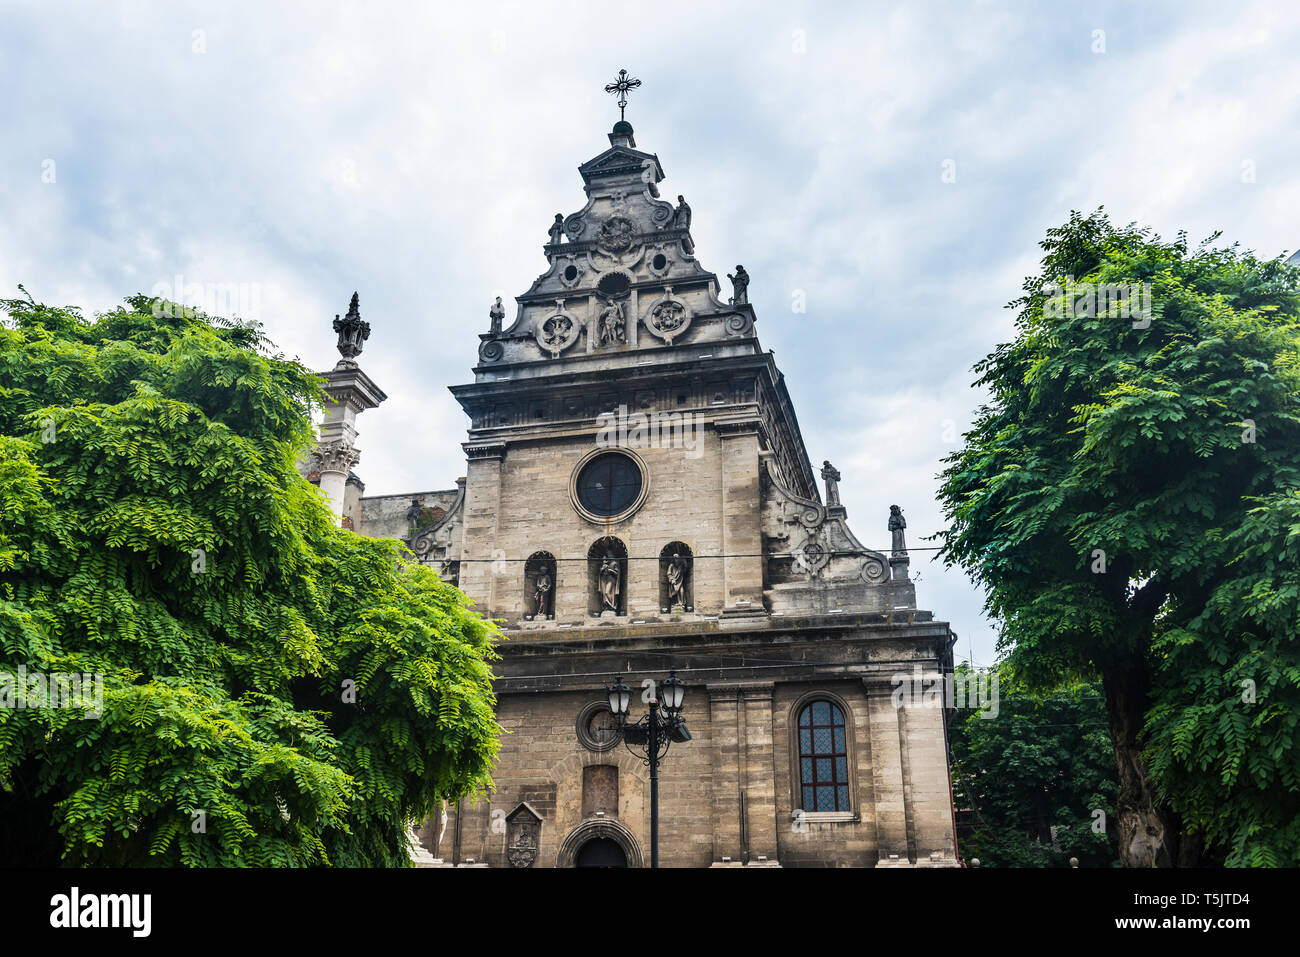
column 816, row 538
column 621, row 161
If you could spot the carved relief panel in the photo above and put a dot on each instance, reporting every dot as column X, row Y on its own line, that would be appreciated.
column 523, row 836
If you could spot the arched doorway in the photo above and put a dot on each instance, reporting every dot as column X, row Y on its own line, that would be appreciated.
column 600, row 852
column 591, row 839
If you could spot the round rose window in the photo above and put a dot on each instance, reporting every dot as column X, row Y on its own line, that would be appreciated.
column 609, row 484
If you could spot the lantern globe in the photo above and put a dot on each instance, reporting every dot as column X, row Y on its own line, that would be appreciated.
column 673, row 692
column 620, row 697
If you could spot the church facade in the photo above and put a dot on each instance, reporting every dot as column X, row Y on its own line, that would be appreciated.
column 638, row 500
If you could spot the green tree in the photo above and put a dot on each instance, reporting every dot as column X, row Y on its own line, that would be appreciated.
column 1128, row 497
column 277, row 691
column 1032, row 775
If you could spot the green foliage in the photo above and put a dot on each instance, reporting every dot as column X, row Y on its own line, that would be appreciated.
column 1137, row 441
column 165, row 540
column 1032, row 776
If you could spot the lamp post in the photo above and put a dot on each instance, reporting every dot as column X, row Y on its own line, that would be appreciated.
column 651, row 736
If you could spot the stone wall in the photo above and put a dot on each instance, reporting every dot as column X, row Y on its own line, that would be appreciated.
column 522, row 505
column 728, row 796
column 384, row 516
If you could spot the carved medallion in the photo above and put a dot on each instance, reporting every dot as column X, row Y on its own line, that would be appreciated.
column 811, row 557
column 668, row 316
column 615, row 235
column 558, row 331
column 555, row 330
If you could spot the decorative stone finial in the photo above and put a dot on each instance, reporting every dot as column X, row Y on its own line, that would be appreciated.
column 353, row 332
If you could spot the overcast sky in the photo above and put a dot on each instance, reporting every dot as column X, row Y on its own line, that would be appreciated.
column 417, row 153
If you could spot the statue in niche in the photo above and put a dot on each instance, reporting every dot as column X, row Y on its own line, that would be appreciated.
column 896, row 525
column 557, row 230
column 609, row 582
column 831, row 476
column 542, row 588
column 739, row 286
column 678, row 574
column 610, row 325
column 496, row 314
column 682, row 214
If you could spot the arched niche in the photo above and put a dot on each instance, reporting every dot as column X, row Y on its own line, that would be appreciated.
column 607, row 577
column 539, row 586
column 676, row 568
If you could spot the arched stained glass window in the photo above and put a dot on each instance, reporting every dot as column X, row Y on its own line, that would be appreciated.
column 823, row 758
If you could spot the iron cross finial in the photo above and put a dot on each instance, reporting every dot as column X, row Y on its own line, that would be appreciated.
column 621, row 87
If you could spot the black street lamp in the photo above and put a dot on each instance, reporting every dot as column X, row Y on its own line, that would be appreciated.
column 651, row 736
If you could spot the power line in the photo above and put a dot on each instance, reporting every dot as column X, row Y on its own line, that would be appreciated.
column 655, row 558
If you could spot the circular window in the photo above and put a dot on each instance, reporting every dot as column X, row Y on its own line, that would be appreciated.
column 571, row 273
column 609, row 485
column 660, row 261
column 596, row 727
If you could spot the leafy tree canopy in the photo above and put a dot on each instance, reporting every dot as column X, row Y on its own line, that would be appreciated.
column 1129, row 497
column 276, row 690
column 1032, row 776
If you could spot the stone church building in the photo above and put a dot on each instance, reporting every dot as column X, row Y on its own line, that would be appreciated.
column 637, row 499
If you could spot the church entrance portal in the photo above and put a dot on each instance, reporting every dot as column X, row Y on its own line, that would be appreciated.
column 600, row 852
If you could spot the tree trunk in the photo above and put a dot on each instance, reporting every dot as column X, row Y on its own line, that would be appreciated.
column 1148, row 836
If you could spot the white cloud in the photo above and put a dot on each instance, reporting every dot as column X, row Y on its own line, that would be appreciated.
column 417, row 154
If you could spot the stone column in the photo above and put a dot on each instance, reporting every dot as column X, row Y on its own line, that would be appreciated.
column 482, row 516
column 929, row 794
column 760, row 773
column 742, row 577
column 336, row 460
column 348, row 391
column 887, row 773
column 723, row 701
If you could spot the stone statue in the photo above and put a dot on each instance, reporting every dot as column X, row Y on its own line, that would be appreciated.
column 609, row 325
column 557, row 230
column 682, row 214
column 831, row 476
column 896, row 525
column 609, row 582
column 678, row 574
column 739, row 286
column 496, row 314
column 353, row 333
column 542, row 594
column 413, row 513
